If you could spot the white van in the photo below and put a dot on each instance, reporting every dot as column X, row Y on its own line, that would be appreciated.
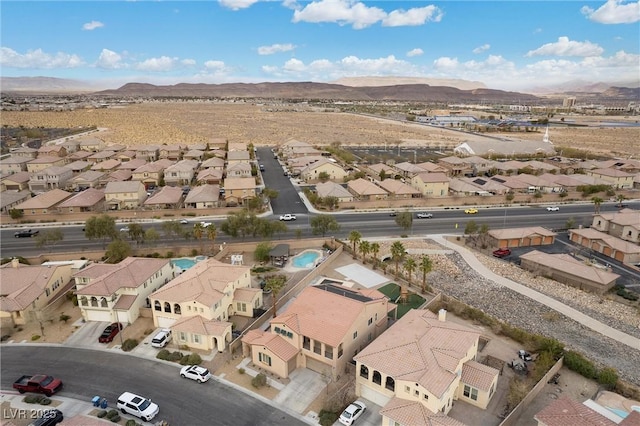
column 161, row 339
column 136, row 405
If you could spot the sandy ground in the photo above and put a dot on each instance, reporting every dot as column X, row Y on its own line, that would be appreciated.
column 188, row 123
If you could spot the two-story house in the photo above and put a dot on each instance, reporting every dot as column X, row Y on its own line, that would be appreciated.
column 12, row 165
column 52, row 151
column 431, row 184
column 100, row 156
column 50, row 178
column 91, row 144
column 88, row 179
column 624, row 224
column 239, row 190
column 320, row 330
column 181, row 173
column 151, row 174
column 213, row 163
column 323, row 167
column 209, row 176
column 171, row 152
column 420, row 366
column 148, row 152
column 42, row 163
column 124, row 195
column 238, row 157
column 28, row 289
column 614, row 177
column 116, row 292
column 24, row 151
column 16, row 182
column 198, row 303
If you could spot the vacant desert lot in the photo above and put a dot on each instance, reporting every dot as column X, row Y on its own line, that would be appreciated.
column 177, row 122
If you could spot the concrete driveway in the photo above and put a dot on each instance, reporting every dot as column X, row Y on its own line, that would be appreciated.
column 87, row 335
column 371, row 416
column 301, row 391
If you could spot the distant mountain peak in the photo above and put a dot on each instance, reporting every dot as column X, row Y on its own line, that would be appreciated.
column 377, row 81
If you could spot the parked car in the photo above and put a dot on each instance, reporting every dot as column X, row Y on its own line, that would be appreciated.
column 162, row 338
column 184, row 221
column 352, row 413
column 471, row 211
column 287, row 217
column 524, row 355
column 110, row 332
column 262, row 167
column 501, row 252
column 553, row 208
column 424, row 215
column 136, row 405
column 48, row 418
column 195, row 372
column 39, row 383
column 28, row 233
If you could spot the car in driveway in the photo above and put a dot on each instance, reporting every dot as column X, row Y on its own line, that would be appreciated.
column 195, row 372
column 110, row 332
column 352, row 413
column 501, row 252
column 471, row 211
column 424, row 215
column 287, row 217
column 136, row 405
column 553, row 208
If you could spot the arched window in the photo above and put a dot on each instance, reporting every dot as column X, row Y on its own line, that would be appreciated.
column 364, row 372
column 377, row 378
column 156, row 306
column 84, row 301
column 94, row 301
column 390, row 383
column 103, row 302
column 176, row 309
column 167, row 307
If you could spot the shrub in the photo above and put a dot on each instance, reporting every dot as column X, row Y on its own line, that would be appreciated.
column 101, row 414
column 131, row 422
column 64, row 317
column 578, row 363
column 112, row 413
column 115, row 419
column 175, row 356
column 163, row 354
column 194, row 252
column 241, row 370
column 129, row 344
column 327, row 418
column 259, row 381
column 45, row 401
column 169, row 254
column 35, row 337
column 608, row 377
column 31, row 399
column 195, row 359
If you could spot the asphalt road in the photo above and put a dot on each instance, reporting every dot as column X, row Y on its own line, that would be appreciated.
column 87, row 373
column 288, row 200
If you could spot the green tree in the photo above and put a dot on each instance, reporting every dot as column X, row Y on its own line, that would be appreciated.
column 270, row 193
column 471, row 227
column 49, row 237
column 151, row 235
column 136, row 232
column 354, row 237
column 398, row 253
column 16, row 213
column 101, row 227
column 117, row 250
column 268, row 228
column 375, row 249
column 261, row 252
column 212, row 232
column 275, row 284
column 382, row 175
column 425, row 267
column 323, row 177
column 620, row 198
column 410, row 267
column 365, row 249
column 331, row 202
column 597, row 201
column 253, row 204
column 404, row 220
column 324, row 223
column 172, row 229
column 198, row 232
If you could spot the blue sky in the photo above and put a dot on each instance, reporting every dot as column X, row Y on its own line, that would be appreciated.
column 510, row 45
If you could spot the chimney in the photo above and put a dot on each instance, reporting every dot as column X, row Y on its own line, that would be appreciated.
column 15, row 262
column 442, row 315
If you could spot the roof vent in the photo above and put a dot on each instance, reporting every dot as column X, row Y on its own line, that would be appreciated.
column 442, row 315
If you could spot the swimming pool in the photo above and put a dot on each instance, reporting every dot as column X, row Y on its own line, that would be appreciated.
column 183, row 263
column 618, row 412
column 306, row 259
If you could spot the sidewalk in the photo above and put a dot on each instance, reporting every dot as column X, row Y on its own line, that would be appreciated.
column 568, row 311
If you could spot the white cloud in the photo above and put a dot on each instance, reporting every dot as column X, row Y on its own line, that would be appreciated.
column 161, row 64
column 342, row 12
column 109, row 59
column 215, row 65
column 566, row 47
column 614, row 12
column 89, row 26
column 445, row 63
column 415, row 52
column 412, row 17
column 237, row 4
column 38, row 59
column 482, row 48
column 275, row 48
column 188, row 62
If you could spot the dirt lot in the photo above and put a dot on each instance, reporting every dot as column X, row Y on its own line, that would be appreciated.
column 157, row 123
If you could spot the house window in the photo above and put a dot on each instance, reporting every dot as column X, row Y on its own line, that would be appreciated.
column 317, row 347
column 390, row 383
column 370, row 321
column 416, row 393
column 183, row 336
column 355, row 335
column 340, row 351
column 471, row 393
column 94, row 301
column 407, row 389
column 426, row 397
column 264, row 358
column 276, row 329
column 47, row 292
column 176, row 309
column 242, row 307
column 156, row 306
column 195, row 338
column 84, row 301
column 306, row 343
column 167, row 307
column 364, row 372
column 328, row 351
column 103, row 303
column 377, row 378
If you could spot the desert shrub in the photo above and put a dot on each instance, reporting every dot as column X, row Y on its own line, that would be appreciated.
column 184, row 360
column 194, row 252
column 175, row 356
column 608, row 377
column 64, row 317
column 129, row 344
column 45, row 401
column 115, row 419
column 327, row 418
column 112, row 413
column 31, row 399
column 35, row 337
column 131, row 422
column 259, row 381
column 163, row 354
column 578, row 363
column 101, row 414
column 169, row 254
column 518, row 389
column 241, row 370
column 194, row 359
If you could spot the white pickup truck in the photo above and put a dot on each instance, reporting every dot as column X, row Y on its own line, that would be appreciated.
column 205, row 224
column 287, row 217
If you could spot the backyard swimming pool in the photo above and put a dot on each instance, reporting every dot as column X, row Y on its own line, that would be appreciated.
column 185, row 263
column 306, row 259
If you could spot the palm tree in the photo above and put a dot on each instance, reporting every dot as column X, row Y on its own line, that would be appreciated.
column 425, row 267
column 365, row 249
column 198, row 231
column 397, row 254
column 620, row 198
column 410, row 266
column 354, row 238
column 374, row 249
column 211, row 235
column 596, row 202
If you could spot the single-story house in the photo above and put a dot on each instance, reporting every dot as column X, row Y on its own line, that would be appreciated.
column 608, row 245
column 89, row 200
column 44, row 203
column 169, row 197
column 203, row 196
column 520, row 237
column 362, row 189
column 333, row 189
column 398, row 190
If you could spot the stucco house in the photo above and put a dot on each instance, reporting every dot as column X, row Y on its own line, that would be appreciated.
column 78, row 166
column 362, row 189
column 213, row 163
column 124, row 195
column 238, row 157
column 203, row 196
column 180, row 173
column 313, row 171
column 88, row 179
column 520, row 237
column 608, row 245
column 320, row 330
column 614, row 177
column 148, row 152
column 100, row 156
column 10, row 199
column 89, row 200
column 332, row 189
column 24, row 151
column 398, row 190
column 209, row 176
column 107, row 165
column 420, row 366
column 150, row 174
column 172, row 152
column 116, row 292
column 431, row 184
column 132, row 164
column 239, row 190
column 91, row 144
column 169, row 197
column 28, row 289
column 52, row 150
column 44, row 203
column 42, row 163
column 50, row 178
column 16, row 181
column 624, row 224
column 197, row 304
column 240, row 169
column 11, row 165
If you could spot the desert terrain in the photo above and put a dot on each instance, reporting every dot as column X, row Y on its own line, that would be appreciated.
column 189, row 123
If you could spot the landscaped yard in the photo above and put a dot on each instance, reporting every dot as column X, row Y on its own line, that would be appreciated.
column 392, row 291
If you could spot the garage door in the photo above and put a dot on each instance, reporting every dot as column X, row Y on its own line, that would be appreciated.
column 374, row 396
column 104, row 316
column 164, row 322
column 317, row 366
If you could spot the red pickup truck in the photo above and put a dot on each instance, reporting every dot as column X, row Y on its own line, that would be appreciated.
column 40, row 383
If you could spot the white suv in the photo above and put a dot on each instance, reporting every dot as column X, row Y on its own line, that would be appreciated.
column 161, row 339
column 136, row 405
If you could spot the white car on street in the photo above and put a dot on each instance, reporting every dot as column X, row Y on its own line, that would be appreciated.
column 205, row 224
column 136, row 405
column 287, row 217
column 352, row 413
column 553, row 208
column 195, row 372
column 184, row 221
